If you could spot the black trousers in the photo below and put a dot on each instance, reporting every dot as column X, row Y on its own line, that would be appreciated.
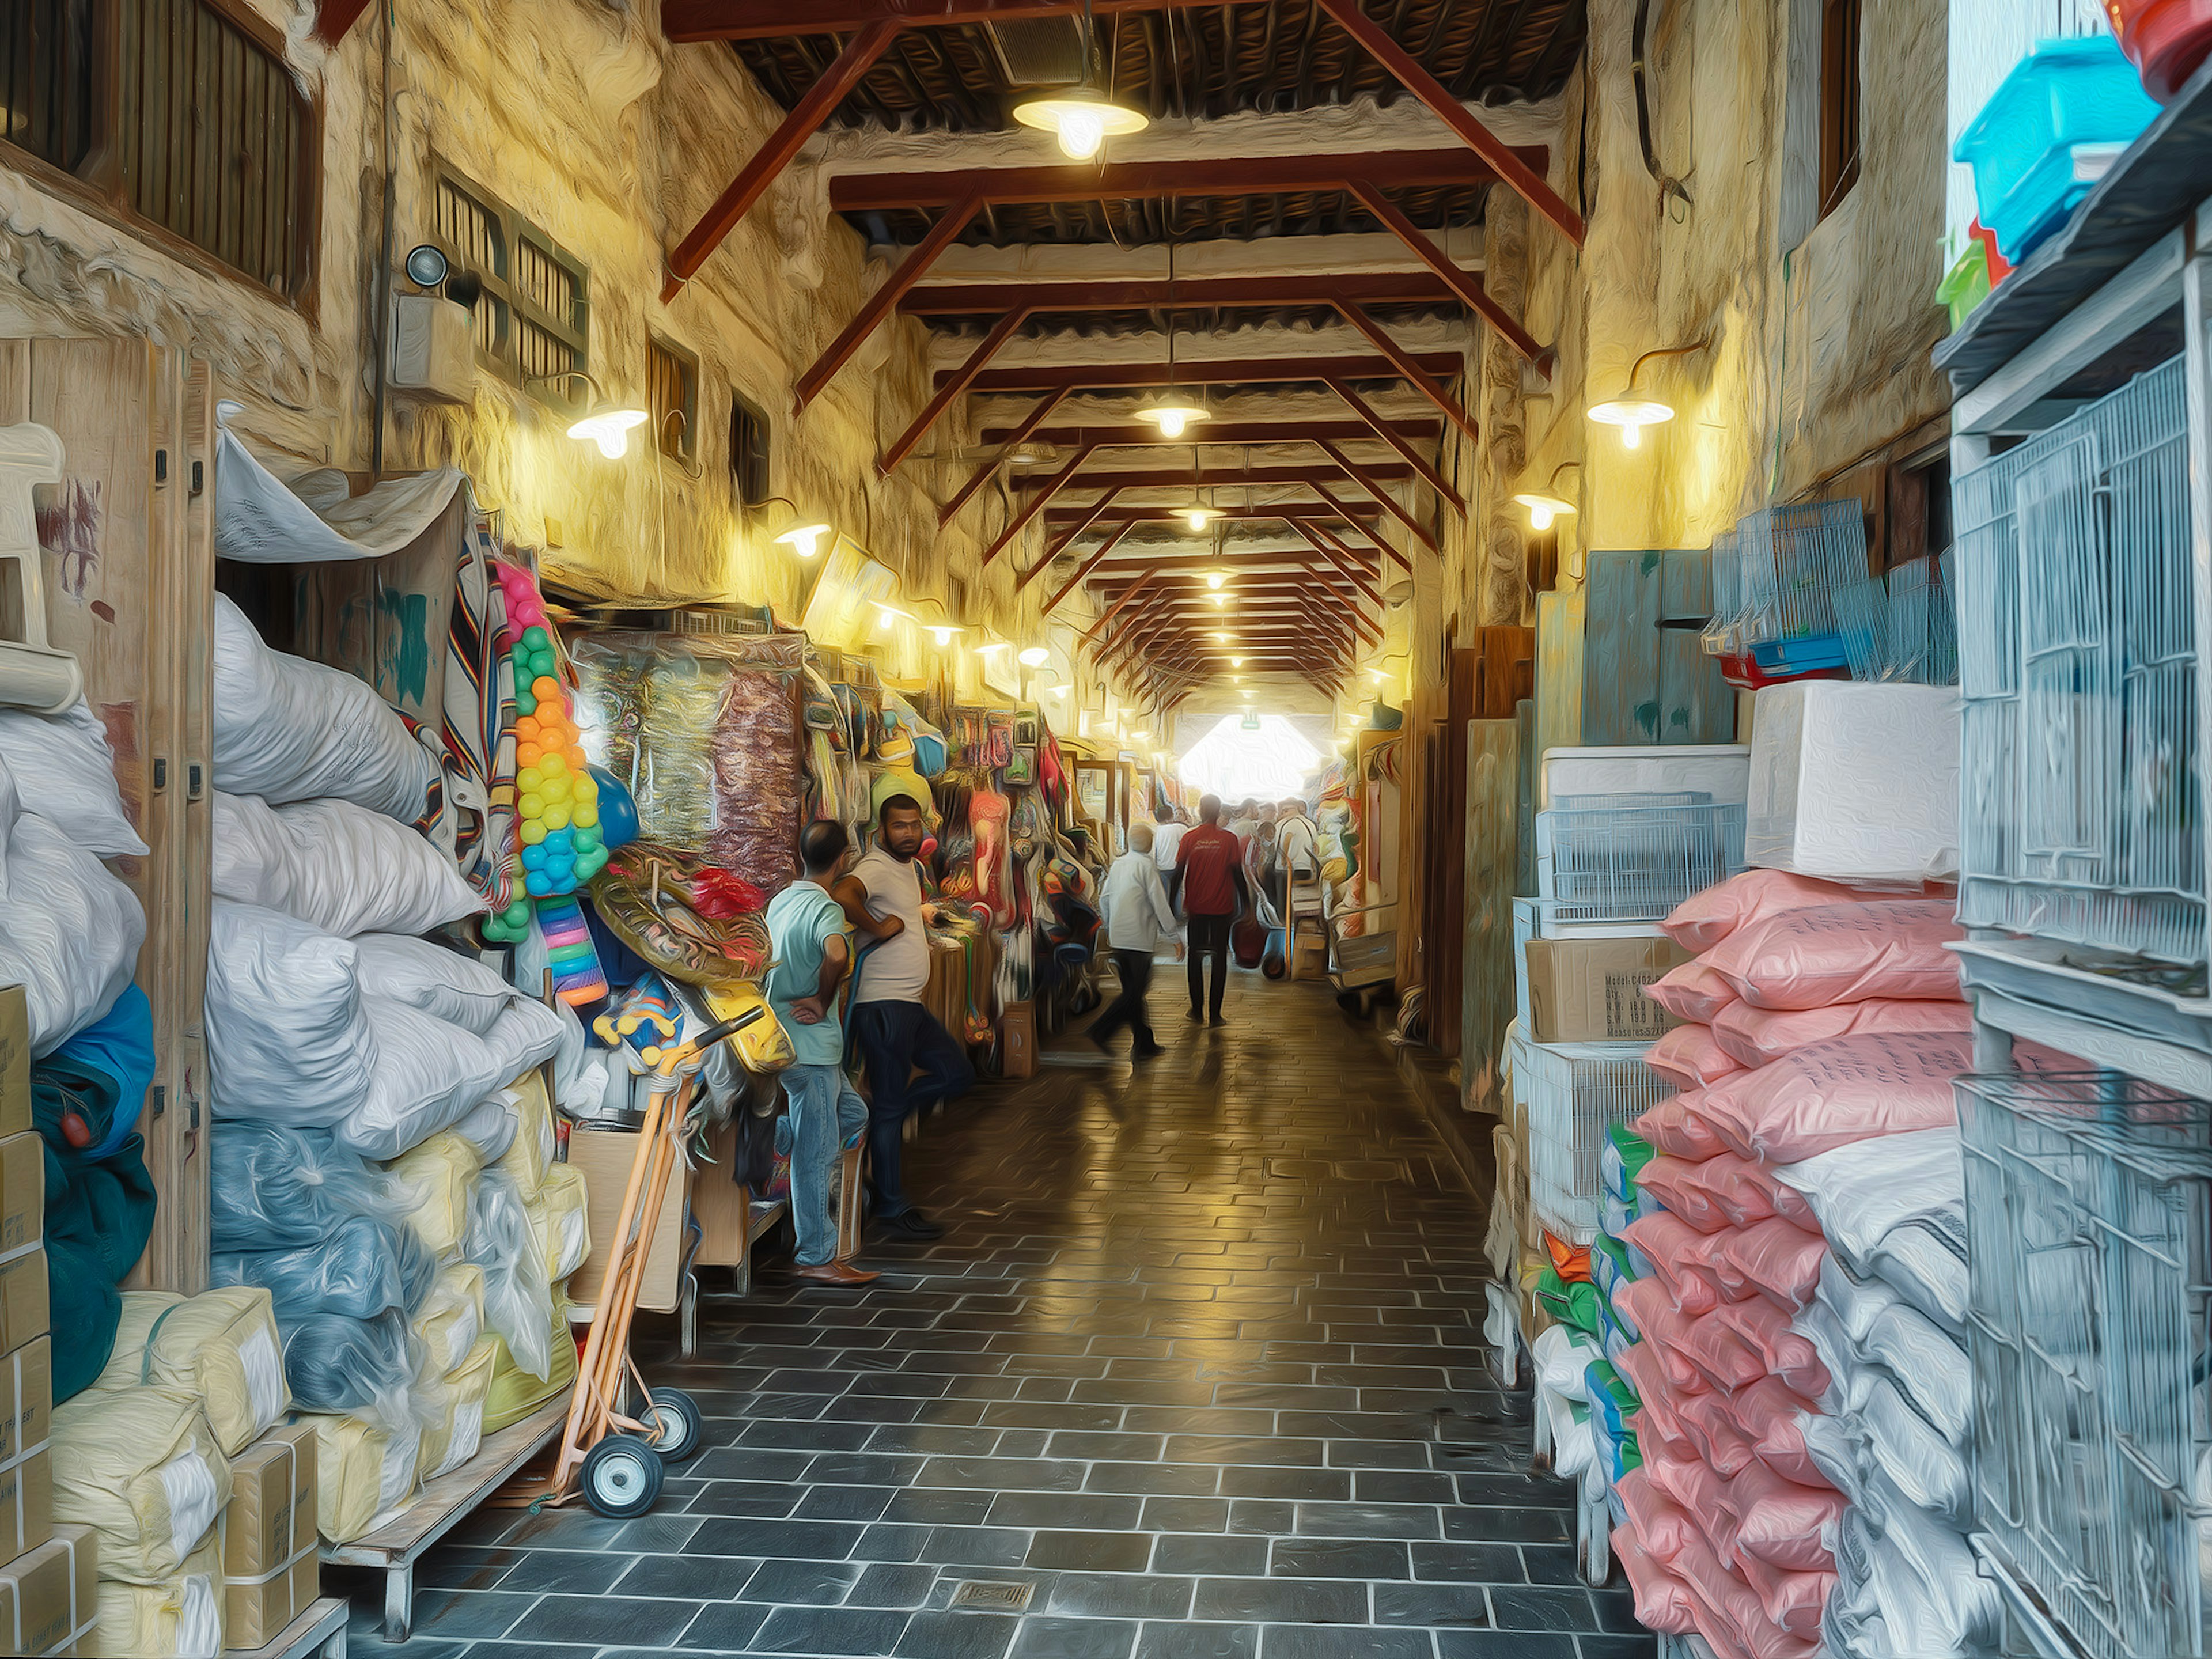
column 1209, row 937
column 898, row 1038
column 1135, row 968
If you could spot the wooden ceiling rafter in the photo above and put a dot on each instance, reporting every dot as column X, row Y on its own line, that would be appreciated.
column 1296, row 428
column 1092, row 561
column 1188, row 371
column 1258, row 477
column 1015, row 437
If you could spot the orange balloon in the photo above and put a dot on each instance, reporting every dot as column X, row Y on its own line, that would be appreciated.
column 546, row 689
column 526, row 730
column 576, row 760
column 528, row 754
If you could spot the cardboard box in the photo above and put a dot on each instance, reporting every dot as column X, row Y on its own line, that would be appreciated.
column 1591, row 990
column 26, row 1503
column 1017, row 1041
column 15, row 1062
column 270, row 1570
column 23, row 1311
column 605, row 1156
column 47, row 1596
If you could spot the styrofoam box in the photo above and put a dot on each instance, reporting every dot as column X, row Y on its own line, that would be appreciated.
column 1721, row 770
column 1854, row 782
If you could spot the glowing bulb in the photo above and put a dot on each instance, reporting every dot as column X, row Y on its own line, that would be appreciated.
column 1034, row 656
column 1236, row 662
column 806, row 539
column 609, row 427
column 1632, row 437
column 1172, row 423
column 942, row 632
column 1215, row 578
column 1081, row 131
column 1219, row 599
column 1539, row 517
column 1221, row 639
column 991, row 646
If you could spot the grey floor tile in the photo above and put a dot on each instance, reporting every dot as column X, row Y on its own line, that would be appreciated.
column 597, row 1619
column 1049, row 1637
column 1208, row 1641
column 956, row 1635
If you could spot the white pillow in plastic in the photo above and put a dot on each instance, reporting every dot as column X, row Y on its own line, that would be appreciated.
column 1924, row 1261
column 287, row 1038
column 1862, row 1192
column 1573, row 1448
column 141, row 1468
column 1933, row 1599
column 11, row 809
column 71, row 934
column 1834, row 1452
column 221, row 1346
column 517, row 1296
column 362, row 1470
column 558, row 1220
column 456, row 1410
column 429, row 1076
column 452, row 1318
column 1855, row 1302
column 1930, row 1365
column 535, row 1144
column 1563, row 1355
column 179, row 1618
column 439, row 1176
column 338, row 866
column 490, row 1128
column 65, row 771
column 458, row 989
column 286, row 729
column 1900, row 1441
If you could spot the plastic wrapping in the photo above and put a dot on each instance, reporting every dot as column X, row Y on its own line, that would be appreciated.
column 141, row 1468
column 221, row 1346
column 532, row 1151
column 433, row 979
column 335, row 865
column 518, row 1297
column 491, row 1127
column 516, row 1392
column 438, row 1177
column 451, row 1320
column 366, row 1267
column 286, row 1040
column 1829, row 954
column 559, row 1221
column 286, row 729
column 455, row 1410
column 431, row 1074
column 178, row 1618
column 271, row 1187
column 72, row 934
column 65, row 771
column 362, row 1469
column 705, row 731
column 1855, row 783
column 361, row 1365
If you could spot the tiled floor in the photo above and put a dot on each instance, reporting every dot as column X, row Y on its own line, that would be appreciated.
column 1198, row 1363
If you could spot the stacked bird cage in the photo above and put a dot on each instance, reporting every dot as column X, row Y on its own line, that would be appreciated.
column 1573, row 1092
column 1607, row 860
column 1805, row 603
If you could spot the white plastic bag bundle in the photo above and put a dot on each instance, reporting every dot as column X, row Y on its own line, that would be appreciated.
column 288, row 730
column 454, row 1408
column 438, row 1175
column 221, row 1346
column 286, row 1039
column 435, row 981
column 65, row 771
column 429, row 1076
column 518, row 1300
column 559, row 1221
column 491, row 1127
column 178, row 1618
column 71, row 934
column 535, row 1144
column 141, row 1468
column 363, row 1366
column 335, row 867
column 452, row 1318
column 362, row 1470
column 1931, row 1598
column 1895, row 1207
column 1562, row 1357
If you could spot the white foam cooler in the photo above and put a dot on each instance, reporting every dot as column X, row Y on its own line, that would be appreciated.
column 1854, row 782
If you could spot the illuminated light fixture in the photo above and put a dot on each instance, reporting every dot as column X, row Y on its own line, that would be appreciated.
column 990, row 646
column 1378, row 676
column 1221, row 639
column 803, row 539
column 886, row 614
column 1546, row 506
column 1633, row 413
column 1215, row 578
column 1174, row 416
column 609, row 425
column 1081, row 116
column 944, row 633
column 1198, row 516
column 1236, row 662
column 1034, row 657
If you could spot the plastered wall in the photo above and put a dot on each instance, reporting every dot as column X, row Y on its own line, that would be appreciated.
column 579, row 116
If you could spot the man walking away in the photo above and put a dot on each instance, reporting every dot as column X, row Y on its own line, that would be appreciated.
column 1165, row 840
column 1138, row 916
column 1210, row 872
column 806, row 928
column 883, row 898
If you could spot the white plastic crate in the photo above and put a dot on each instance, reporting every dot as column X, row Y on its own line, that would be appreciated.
column 2089, row 1262
column 1720, row 772
column 1631, row 859
column 2080, row 792
column 1574, row 1092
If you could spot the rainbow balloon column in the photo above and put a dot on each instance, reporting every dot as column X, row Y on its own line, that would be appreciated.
column 558, row 812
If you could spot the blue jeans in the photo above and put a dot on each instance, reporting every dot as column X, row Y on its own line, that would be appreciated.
column 897, row 1039
column 826, row 1112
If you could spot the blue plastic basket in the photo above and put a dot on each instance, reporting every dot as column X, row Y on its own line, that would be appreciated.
column 2063, row 95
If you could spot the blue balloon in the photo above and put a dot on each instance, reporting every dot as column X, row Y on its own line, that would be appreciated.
column 558, row 843
column 533, row 857
column 617, row 809
column 536, row 884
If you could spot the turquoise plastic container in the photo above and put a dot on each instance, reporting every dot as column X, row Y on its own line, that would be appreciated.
column 2064, row 95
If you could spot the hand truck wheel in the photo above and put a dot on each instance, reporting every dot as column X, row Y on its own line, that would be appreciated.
column 675, row 1414
column 622, row 1476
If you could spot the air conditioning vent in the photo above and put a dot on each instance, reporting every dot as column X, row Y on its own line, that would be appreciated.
column 1042, row 51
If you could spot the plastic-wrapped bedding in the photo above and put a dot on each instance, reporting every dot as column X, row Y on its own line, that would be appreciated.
column 517, row 1296
column 286, row 730
column 558, row 1220
column 221, row 1346
column 364, row 1268
column 63, row 770
column 178, row 1618
column 531, row 1153
column 1894, row 1208
column 451, row 1318
column 286, row 1040
column 490, row 1128
column 273, row 1187
column 141, row 1468
column 362, row 1469
column 438, row 1176
column 431, row 1074
column 72, row 935
column 340, row 1365
column 1912, row 1576
column 516, row 1392
column 335, row 867
column 457, row 989
column 455, row 1407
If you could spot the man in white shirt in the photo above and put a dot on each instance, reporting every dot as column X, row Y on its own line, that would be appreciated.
column 1138, row 916
column 896, row 1033
column 1165, row 840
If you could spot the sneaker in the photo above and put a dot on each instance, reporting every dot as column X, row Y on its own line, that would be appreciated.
column 1150, row 1051
column 1217, row 1020
column 909, row 1224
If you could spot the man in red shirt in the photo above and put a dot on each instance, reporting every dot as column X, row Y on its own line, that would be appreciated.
column 1210, row 875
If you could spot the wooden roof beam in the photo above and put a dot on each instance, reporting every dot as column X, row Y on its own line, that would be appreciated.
column 1136, row 435
column 1275, row 512
column 1407, row 288
column 878, row 304
column 1231, row 371
column 1096, row 557
column 948, row 386
column 982, row 475
column 1466, row 284
column 765, row 20
column 1037, row 502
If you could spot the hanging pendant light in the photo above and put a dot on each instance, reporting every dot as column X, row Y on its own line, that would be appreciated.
column 1081, row 116
column 1546, row 506
column 1174, row 412
column 1198, row 512
column 1633, row 413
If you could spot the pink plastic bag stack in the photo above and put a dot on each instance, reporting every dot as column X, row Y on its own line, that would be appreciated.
column 1819, row 1018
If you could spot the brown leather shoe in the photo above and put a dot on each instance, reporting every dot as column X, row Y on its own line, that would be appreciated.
column 837, row 1274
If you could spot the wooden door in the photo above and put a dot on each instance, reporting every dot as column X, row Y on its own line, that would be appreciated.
column 128, row 537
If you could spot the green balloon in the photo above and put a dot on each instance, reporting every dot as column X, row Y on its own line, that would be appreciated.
column 536, row 638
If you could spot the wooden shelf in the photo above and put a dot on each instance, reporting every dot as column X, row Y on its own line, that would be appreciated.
column 318, row 1634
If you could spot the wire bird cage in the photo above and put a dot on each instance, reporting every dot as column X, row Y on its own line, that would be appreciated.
column 2088, row 1204
column 2077, row 651
column 1923, row 628
column 1572, row 1093
column 1804, row 601
column 1605, row 859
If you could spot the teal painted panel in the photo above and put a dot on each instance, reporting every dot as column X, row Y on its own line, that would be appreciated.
column 1645, row 681
column 1524, row 861
column 1491, row 850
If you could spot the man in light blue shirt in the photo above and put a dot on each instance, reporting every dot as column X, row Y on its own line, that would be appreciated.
column 806, row 928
